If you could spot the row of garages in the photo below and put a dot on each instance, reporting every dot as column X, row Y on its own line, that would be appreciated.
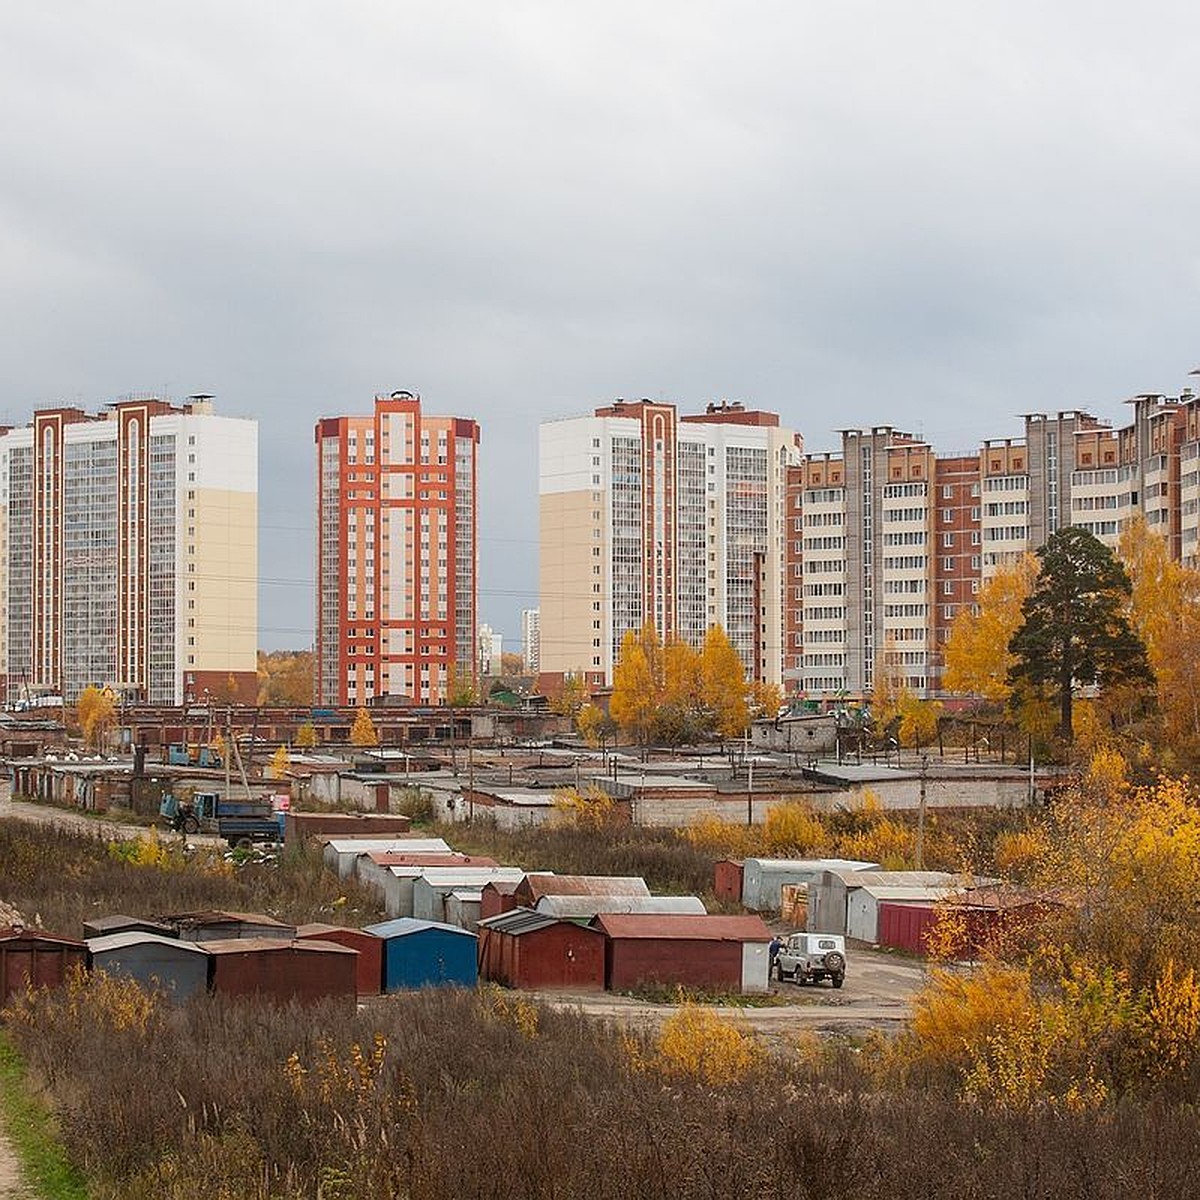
column 426, row 879
column 519, row 948
column 523, row 948
column 896, row 909
column 243, row 954
column 541, row 930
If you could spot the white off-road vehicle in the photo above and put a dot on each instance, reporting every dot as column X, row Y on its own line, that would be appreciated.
column 811, row 957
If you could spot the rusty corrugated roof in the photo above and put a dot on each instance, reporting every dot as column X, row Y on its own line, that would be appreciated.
column 224, row 946
column 524, row 920
column 23, row 933
column 542, row 884
column 220, row 917
column 385, row 858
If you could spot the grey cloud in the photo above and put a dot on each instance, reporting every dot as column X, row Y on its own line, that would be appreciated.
column 936, row 216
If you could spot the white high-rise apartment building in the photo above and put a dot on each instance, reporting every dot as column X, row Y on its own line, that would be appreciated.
column 491, row 651
column 530, row 641
column 129, row 553
column 651, row 516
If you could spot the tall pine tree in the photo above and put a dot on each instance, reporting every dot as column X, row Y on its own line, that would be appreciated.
column 1075, row 630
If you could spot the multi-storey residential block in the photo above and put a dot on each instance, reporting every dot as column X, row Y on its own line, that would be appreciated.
column 129, row 552
column 864, row 562
column 530, row 640
column 896, row 541
column 397, row 558
column 650, row 516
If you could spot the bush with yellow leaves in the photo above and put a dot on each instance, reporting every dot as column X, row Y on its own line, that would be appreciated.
column 794, row 827
column 149, row 850
column 589, row 807
column 698, row 1044
column 724, row 839
column 1017, row 853
column 1173, row 1018
column 887, row 841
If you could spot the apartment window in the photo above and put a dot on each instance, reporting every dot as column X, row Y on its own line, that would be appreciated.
column 947, row 514
column 947, row 564
column 947, row 492
column 948, row 539
column 947, row 588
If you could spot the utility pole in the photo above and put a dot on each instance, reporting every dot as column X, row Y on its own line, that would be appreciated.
column 470, row 781
column 749, row 781
column 921, row 815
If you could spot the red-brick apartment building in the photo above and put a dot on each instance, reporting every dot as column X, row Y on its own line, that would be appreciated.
column 397, row 555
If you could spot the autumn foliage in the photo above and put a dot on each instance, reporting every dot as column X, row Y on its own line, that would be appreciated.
column 1099, row 998
column 363, row 732
column 96, row 710
column 978, row 659
column 675, row 694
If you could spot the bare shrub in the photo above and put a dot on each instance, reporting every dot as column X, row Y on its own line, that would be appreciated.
column 445, row 1093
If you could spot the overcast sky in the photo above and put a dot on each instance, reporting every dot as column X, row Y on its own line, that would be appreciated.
column 930, row 215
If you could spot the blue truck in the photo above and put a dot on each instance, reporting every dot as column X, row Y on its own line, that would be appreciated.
column 240, row 822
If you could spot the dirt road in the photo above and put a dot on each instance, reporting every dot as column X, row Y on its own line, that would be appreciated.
column 10, row 1175
column 65, row 818
column 877, row 996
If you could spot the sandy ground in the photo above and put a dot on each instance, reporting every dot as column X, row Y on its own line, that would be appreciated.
column 877, row 996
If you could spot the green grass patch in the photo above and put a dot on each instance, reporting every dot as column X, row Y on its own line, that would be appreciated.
column 31, row 1130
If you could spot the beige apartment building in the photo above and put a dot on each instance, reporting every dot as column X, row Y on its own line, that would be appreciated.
column 647, row 514
column 129, row 553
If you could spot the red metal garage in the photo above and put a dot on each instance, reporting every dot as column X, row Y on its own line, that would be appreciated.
column 497, row 897
column 711, row 952
column 300, row 825
column 727, row 880
column 982, row 916
column 527, row 949
column 282, row 970
column 34, row 958
column 369, row 973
